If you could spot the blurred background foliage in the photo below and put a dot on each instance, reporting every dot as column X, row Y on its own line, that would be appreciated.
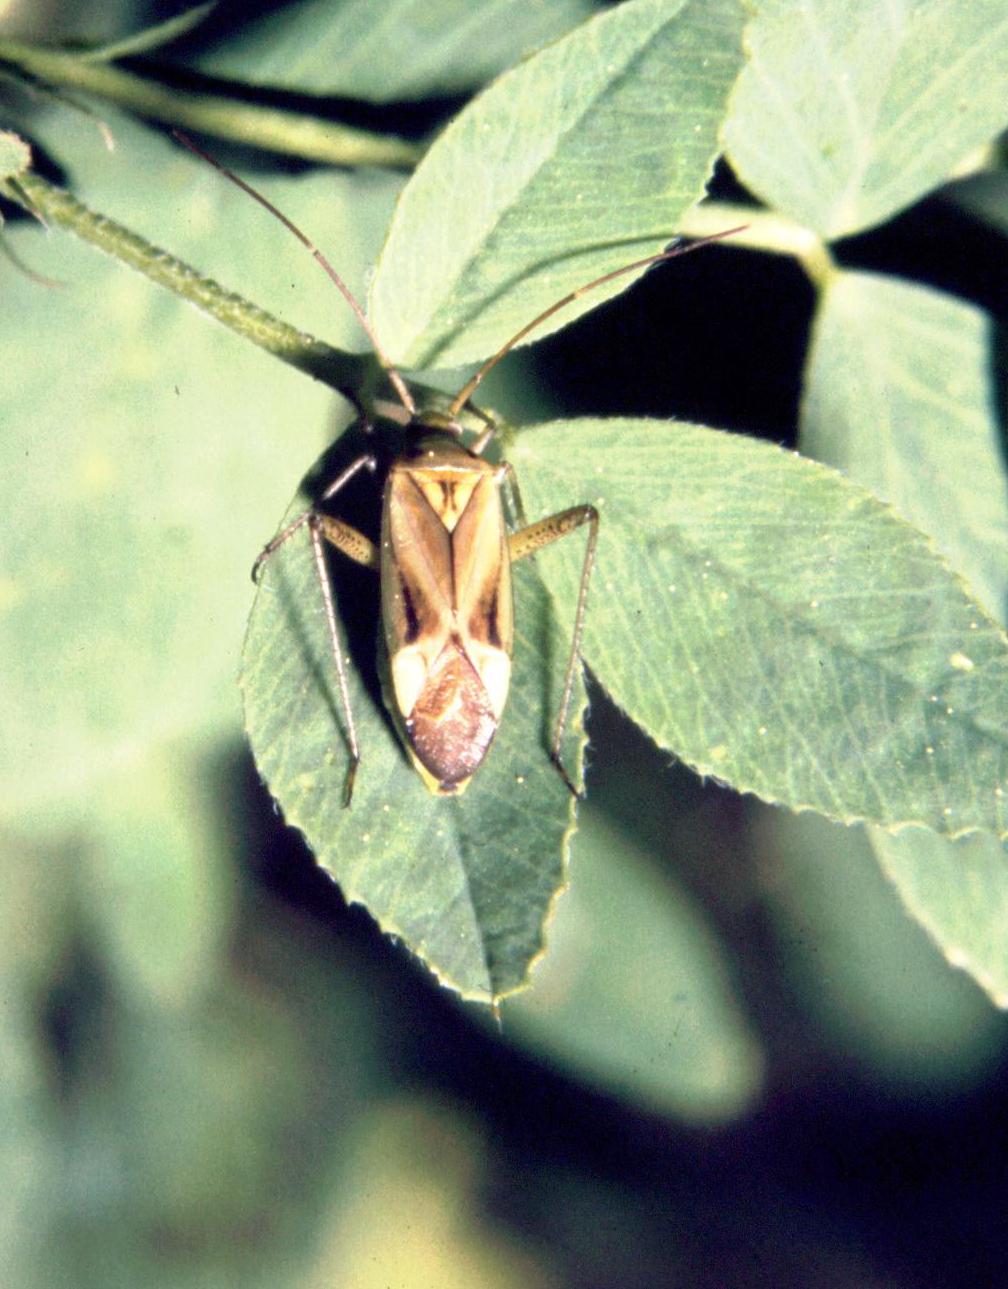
column 212, row 1071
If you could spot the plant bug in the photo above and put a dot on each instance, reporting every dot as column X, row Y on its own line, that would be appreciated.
column 443, row 562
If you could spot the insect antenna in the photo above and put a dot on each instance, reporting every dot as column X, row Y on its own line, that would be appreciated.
column 467, row 391
column 400, row 386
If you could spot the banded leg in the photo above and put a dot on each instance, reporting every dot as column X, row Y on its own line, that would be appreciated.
column 367, row 461
column 526, row 542
column 361, row 550
column 517, row 505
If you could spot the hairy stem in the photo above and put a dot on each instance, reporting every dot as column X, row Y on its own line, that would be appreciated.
column 344, row 372
column 274, row 129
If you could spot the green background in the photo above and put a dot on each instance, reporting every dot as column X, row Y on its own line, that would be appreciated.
column 741, row 1062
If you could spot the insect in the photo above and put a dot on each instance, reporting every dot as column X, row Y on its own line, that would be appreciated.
column 443, row 562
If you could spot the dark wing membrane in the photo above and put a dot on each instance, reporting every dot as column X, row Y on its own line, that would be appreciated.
column 453, row 723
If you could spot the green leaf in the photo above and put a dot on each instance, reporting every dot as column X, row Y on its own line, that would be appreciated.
column 467, row 882
column 958, row 891
column 15, row 154
column 155, row 843
column 863, row 974
column 900, row 391
column 899, row 394
column 849, row 111
column 647, row 1015
column 778, row 627
column 142, row 450
column 584, row 157
column 151, row 38
column 396, row 49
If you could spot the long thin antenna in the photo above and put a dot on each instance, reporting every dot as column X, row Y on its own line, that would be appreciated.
column 467, row 391
column 400, row 386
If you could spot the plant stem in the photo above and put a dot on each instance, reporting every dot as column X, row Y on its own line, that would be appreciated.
column 764, row 231
column 274, row 129
column 344, row 372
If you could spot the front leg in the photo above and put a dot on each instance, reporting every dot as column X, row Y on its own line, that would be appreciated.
column 354, row 545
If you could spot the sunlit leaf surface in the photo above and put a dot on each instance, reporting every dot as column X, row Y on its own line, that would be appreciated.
column 579, row 160
column 849, row 110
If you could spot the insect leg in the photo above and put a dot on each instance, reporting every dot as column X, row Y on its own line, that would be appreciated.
column 366, row 461
column 533, row 538
column 335, row 531
column 356, row 547
column 478, row 447
column 516, row 498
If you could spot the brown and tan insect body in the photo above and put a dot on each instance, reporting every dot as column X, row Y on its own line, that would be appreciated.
column 446, row 606
column 445, row 565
